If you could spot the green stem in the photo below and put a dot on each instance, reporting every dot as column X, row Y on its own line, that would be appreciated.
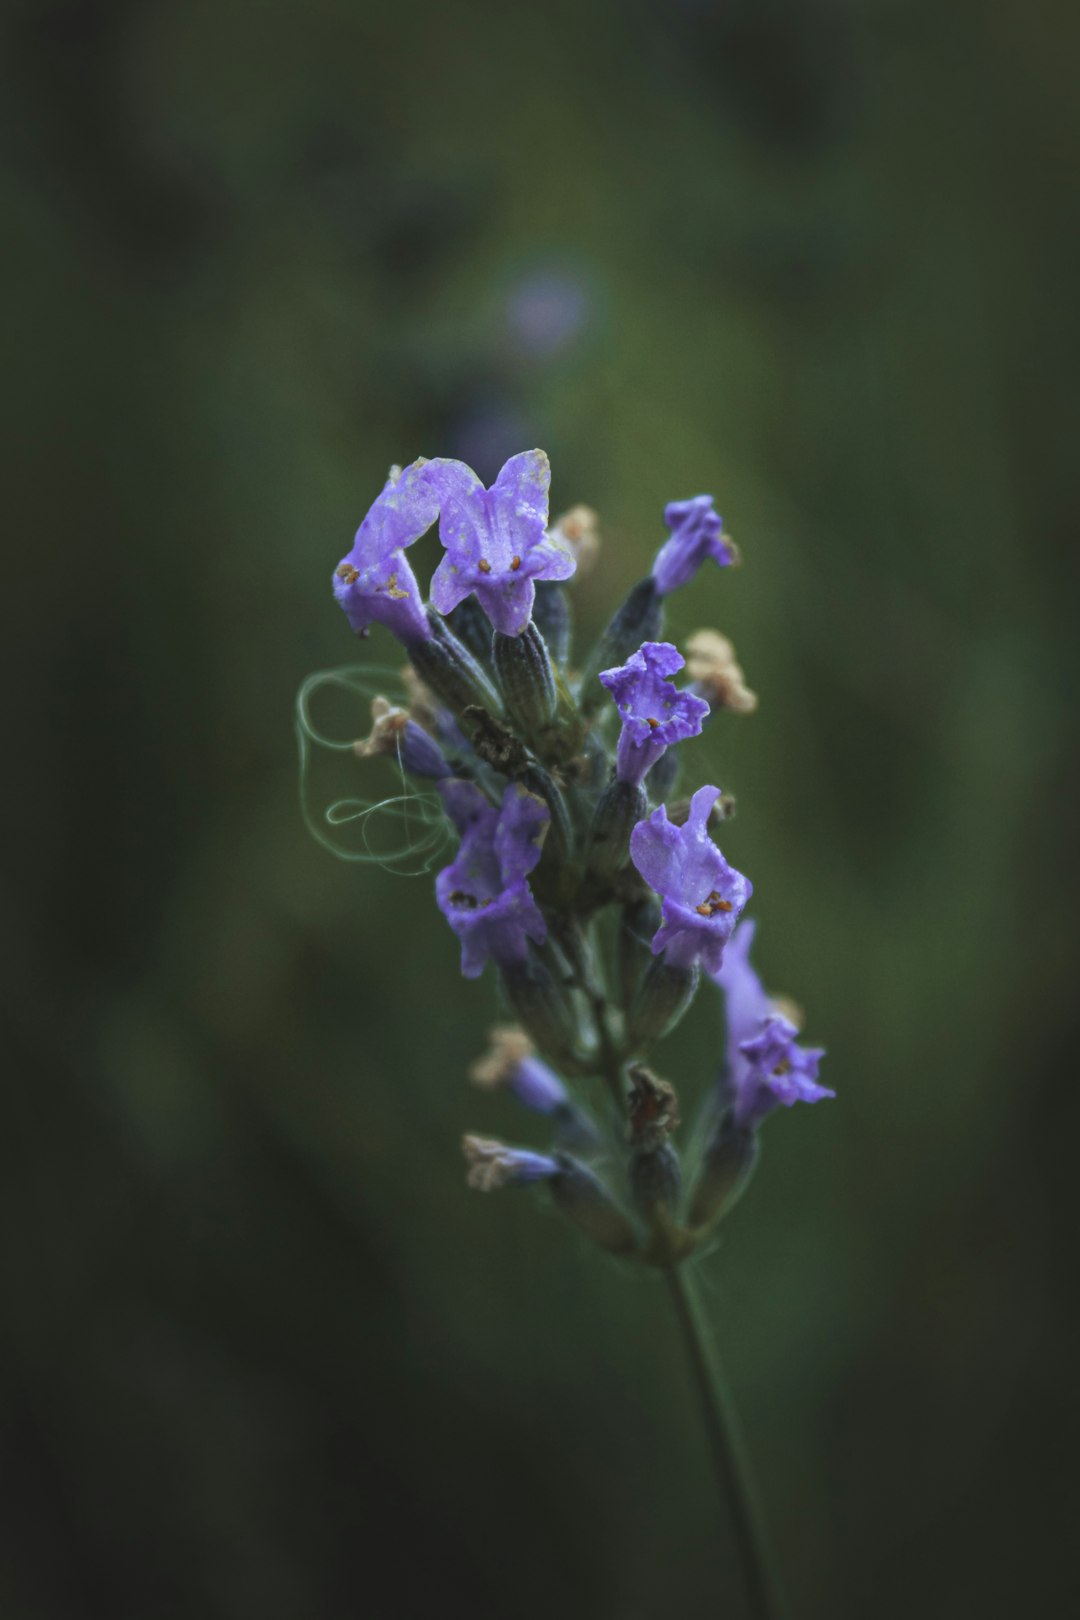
column 609, row 1066
column 764, row 1601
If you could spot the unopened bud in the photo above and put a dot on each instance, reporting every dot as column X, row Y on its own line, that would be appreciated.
column 584, row 1199
column 523, row 667
column 451, row 671
column 726, row 1168
column 543, row 1010
column 472, row 627
column 656, row 1179
column 619, row 809
column 639, row 619
column 552, row 617
column 664, row 776
column 639, row 921
column 666, row 992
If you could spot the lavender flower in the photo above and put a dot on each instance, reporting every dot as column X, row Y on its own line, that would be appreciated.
column 696, row 533
column 484, row 893
column 780, row 1072
column 496, row 539
column 702, row 895
column 374, row 582
column 511, row 1063
column 765, row 1065
column 395, row 732
column 654, row 712
column 492, row 1164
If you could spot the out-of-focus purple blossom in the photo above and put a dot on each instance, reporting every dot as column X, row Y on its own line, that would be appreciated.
column 653, row 711
column 374, row 582
column 546, row 310
column 766, row 1067
column 394, row 732
column 702, row 895
column 511, row 1063
column 696, row 533
column 780, row 1072
column 484, row 893
column 496, row 539
column 492, row 1164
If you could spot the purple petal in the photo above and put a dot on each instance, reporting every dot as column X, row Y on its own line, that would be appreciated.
column 519, row 836
column 508, row 604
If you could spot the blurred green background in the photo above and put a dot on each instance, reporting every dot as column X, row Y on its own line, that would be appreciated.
column 263, row 1354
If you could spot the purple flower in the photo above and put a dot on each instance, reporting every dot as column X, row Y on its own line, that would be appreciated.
column 702, row 895
column 654, row 712
column 695, row 534
column 484, row 893
column 780, row 1071
column 492, row 1164
column 496, row 539
column 511, row 1063
column 396, row 733
column 766, row 1066
column 374, row 581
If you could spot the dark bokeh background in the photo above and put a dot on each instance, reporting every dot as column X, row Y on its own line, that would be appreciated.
column 263, row 1355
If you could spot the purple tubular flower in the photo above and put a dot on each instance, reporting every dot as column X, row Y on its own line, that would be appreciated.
column 780, row 1072
column 492, row 1164
column 374, row 582
column 654, row 712
column 496, row 539
column 511, row 1063
column 766, row 1067
column 696, row 533
column 484, row 893
column 702, row 895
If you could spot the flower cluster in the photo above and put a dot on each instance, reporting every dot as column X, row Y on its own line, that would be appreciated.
column 564, row 809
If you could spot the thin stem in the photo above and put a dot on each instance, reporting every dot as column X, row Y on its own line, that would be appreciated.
column 726, row 1444
column 608, row 1065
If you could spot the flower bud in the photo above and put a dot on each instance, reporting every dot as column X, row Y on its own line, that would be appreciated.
column 543, row 1010
column 523, row 666
column 552, row 617
column 639, row 619
column 583, row 1199
column 666, row 992
column 664, row 776
column 451, row 671
column 560, row 833
column 655, row 1179
column 472, row 627
column 638, row 923
column 728, row 1163
column 620, row 807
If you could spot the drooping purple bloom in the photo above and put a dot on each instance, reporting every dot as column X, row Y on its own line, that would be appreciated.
column 653, row 711
column 780, row 1072
column 766, row 1066
column 492, row 1164
column 511, row 1063
column 702, row 895
column 394, row 732
column 484, row 893
column 496, row 539
column 696, row 533
column 374, row 582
